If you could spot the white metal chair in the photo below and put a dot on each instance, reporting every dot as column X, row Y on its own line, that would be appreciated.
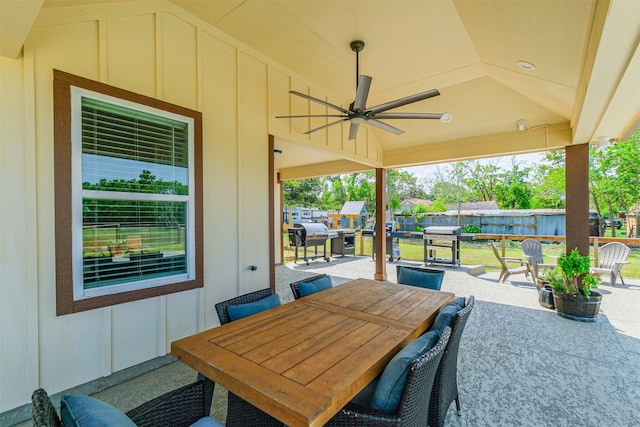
column 612, row 257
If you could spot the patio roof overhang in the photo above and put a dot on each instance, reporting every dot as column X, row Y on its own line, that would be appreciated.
column 585, row 85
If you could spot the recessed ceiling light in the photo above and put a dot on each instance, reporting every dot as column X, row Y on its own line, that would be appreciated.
column 526, row 65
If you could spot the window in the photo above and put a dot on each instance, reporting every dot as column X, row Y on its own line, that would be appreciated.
column 128, row 181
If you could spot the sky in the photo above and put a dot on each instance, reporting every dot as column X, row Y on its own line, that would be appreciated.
column 504, row 162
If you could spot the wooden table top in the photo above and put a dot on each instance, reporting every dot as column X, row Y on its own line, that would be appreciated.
column 303, row 361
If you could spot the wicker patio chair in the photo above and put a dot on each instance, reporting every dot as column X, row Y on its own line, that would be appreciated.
column 445, row 385
column 295, row 286
column 43, row 412
column 178, row 408
column 412, row 409
column 240, row 412
column 418, row 276
column 221, row 307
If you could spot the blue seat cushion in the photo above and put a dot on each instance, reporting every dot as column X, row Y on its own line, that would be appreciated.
column 206, row 422
column 445, row 316
column 86, row 411
column 430, row 279
column 391, row 384
column 313, row 286
column 239, row 311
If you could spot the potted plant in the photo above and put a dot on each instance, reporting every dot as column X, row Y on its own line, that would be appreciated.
column 573, row 282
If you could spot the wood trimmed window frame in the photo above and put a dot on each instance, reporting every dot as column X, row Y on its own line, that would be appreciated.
column 65, row 302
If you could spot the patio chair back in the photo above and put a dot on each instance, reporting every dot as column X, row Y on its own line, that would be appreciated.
column 533, row 248
column 43, row 412
column 612, row 257
column 418, row 276
column 612, row 253
column 412, row 410
column 221, row 307
column 241, row 413
column 295, row 286
column 445, row 385
column 177, row 408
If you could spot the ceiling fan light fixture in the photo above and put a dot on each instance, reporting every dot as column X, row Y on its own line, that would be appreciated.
column 356, row 120
column 521, row 125
column 446, row 118
column 526, row 65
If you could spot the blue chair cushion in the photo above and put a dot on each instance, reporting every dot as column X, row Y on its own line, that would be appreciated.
column 243, row 310
column 391, row 384
column 206, row 422
column 445, row 316
column 313, row 286
column 86, row 411
column 422, row 278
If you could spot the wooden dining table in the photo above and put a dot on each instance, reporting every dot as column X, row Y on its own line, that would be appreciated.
column 301, row 362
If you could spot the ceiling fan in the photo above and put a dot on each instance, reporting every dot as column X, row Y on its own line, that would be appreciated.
column 358, row 113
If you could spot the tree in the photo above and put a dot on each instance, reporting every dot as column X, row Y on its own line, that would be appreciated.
column 482, row 179
column 303, row 192
column 548, row 188
column 614, row 177
column 514, row 192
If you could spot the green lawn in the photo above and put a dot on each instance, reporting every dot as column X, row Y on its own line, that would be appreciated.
column 480, row 253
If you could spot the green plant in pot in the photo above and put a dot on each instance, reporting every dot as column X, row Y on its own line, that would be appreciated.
column 573, row 282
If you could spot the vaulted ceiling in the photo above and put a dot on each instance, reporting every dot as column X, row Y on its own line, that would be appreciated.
column 585, row 53
column 585, row 84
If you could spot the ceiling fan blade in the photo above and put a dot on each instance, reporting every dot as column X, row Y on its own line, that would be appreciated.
column 406, row 116
column 402, row 101
column 384, row 126
column 311, row 115
column 362, row 92
column 325, row 126
column 319, row 101
column 353, row 130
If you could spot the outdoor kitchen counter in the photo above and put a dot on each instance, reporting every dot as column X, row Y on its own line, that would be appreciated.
column 303, row 361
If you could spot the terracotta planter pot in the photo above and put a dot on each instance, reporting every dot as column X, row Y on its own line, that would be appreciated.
column 578, row 307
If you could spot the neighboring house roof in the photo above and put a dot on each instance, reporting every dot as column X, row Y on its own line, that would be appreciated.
column 353, row 208
column 409, row 203
column 473, row 206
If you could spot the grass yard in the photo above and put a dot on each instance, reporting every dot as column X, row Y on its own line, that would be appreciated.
column 477, row 252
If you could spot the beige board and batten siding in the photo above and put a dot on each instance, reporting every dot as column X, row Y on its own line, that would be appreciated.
column 158, row 50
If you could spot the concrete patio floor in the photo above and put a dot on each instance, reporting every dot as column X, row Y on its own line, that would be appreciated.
column 520, row 364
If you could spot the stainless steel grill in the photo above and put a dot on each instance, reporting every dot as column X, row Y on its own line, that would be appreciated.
column 440, row 238
column 310, row 234
column 393, row 238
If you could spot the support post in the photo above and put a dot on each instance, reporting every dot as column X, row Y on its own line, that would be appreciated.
column 381, row 232
column 577, row 191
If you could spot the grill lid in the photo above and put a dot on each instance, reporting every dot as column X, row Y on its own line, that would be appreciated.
column 312, row 232
column 441, row 229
